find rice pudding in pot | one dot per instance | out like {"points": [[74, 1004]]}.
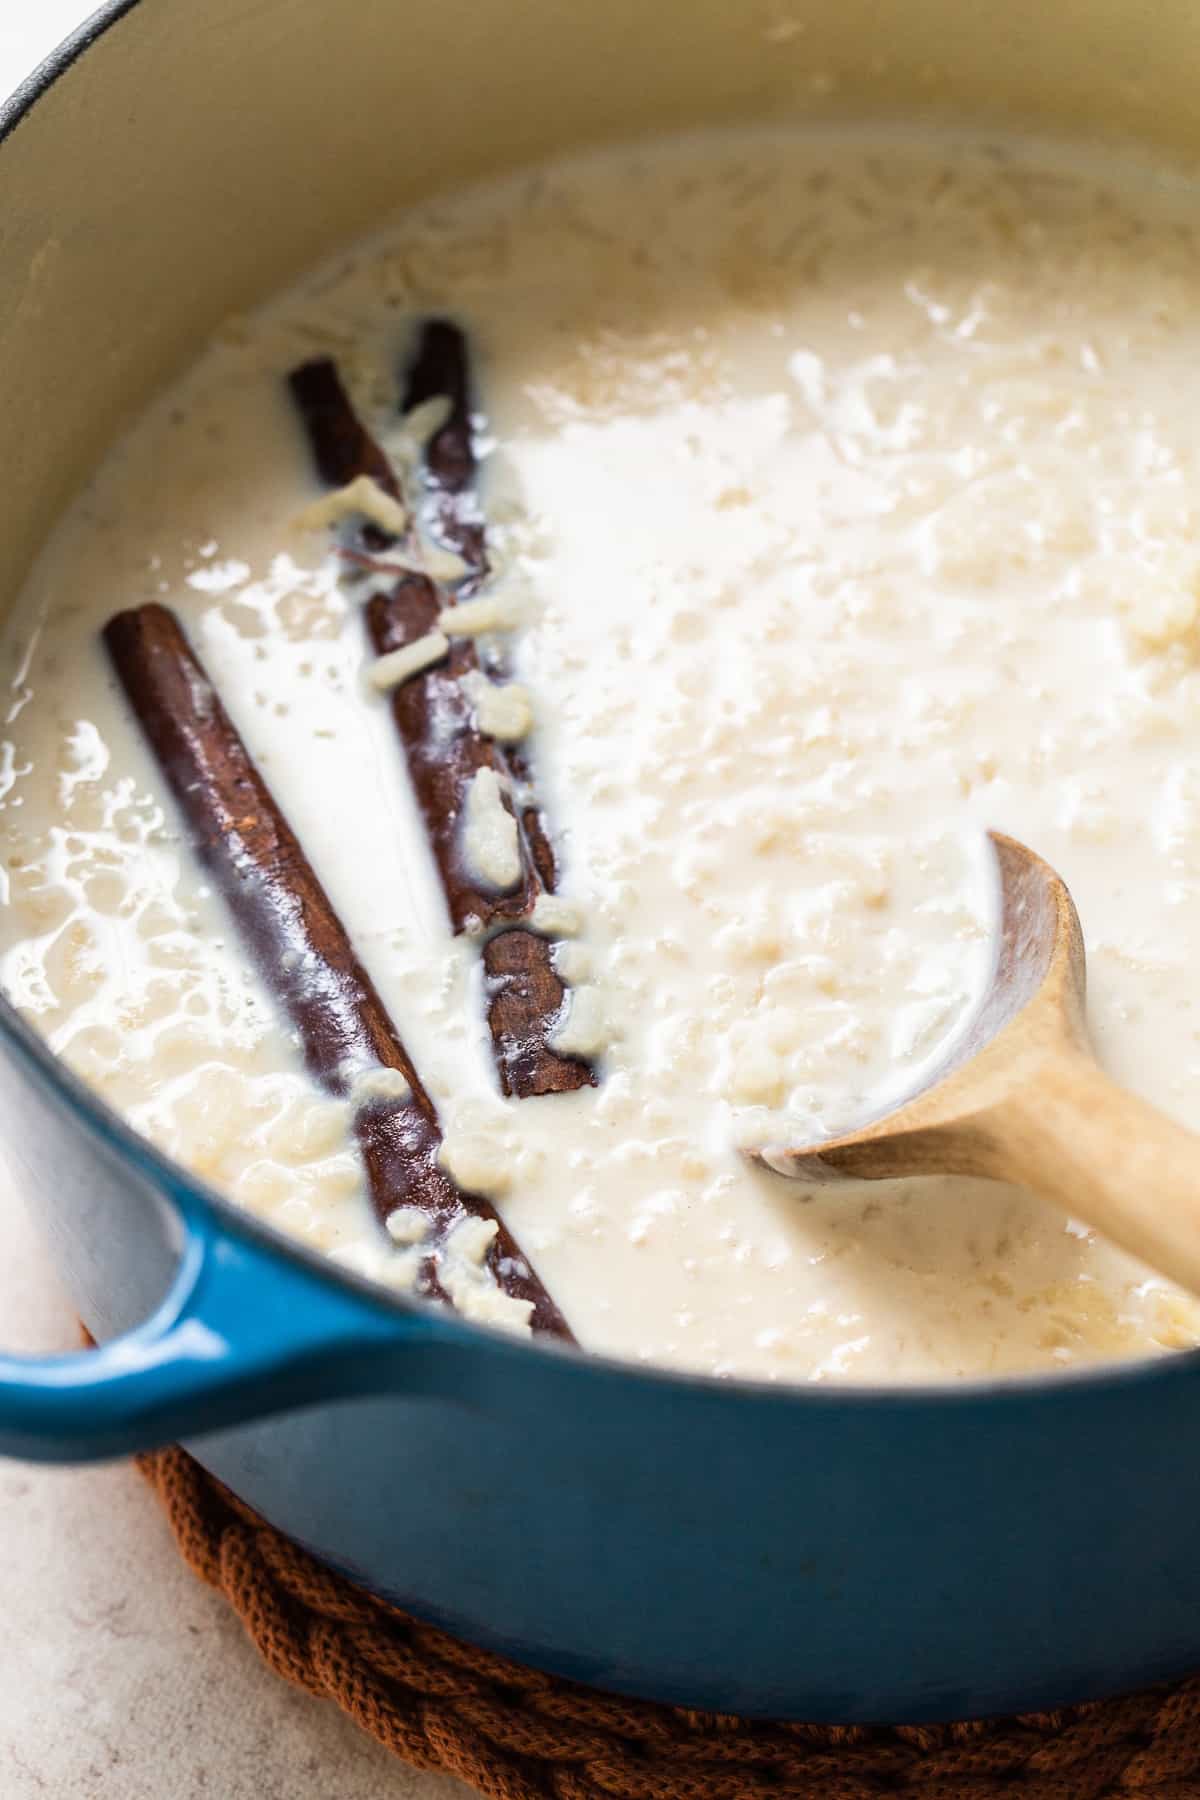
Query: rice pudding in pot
{"points": [[831, 500]]}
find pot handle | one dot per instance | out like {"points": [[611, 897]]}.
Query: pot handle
{"points": [[242, 1334]]}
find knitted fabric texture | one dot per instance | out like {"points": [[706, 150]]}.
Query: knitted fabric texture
{"points": [[515, 1734]]}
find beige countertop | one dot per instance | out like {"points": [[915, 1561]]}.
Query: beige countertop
{"points": [[121, 1677]]}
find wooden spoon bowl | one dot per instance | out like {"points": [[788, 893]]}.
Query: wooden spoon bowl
{"points": [[1020, 1097]]}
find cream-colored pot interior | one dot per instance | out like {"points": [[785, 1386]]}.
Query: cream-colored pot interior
{"points": [[196, 157]]}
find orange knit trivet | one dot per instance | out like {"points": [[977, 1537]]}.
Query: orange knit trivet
{"points": [[518, 1735]]}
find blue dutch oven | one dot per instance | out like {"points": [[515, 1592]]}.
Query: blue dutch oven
{"points": [[844, 1555]]}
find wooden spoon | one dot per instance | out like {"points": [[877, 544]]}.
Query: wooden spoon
{"points": [[1020, 1098]]}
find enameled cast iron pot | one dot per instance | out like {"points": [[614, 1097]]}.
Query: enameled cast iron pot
{"points": [[814, 1553]]}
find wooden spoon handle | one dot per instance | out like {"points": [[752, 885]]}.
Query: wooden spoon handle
{"points": [[1108, 1158]]}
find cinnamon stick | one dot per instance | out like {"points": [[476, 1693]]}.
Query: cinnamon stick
{"points": [[441, 365], [434, 720], [525, 996], [298, 942], [525, 993], [440, 368], [342, 446], [444, 751]]}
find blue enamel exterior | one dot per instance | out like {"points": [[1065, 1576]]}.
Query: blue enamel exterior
{"points": [[805, 1553], [891, 1555]]}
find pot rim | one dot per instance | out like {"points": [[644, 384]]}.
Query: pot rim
{"points": [[25, 1044], [16, 107]]}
